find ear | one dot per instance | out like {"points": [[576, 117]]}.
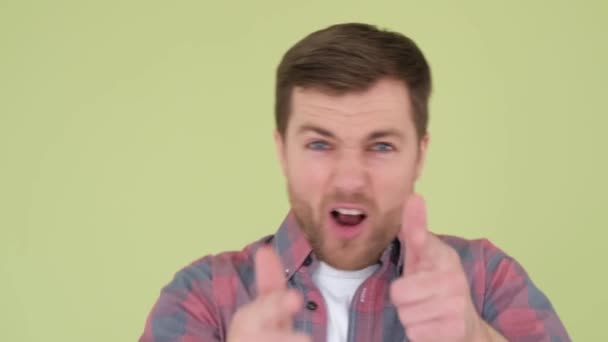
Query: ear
{"points": [[422, 149], [280, 150]]}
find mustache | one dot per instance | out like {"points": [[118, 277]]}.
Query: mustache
{"points": [[357, 197]]}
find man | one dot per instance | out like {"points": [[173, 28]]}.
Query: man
{"points": [[353, 260]]}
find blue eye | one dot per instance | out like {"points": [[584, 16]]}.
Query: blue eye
{"points": [[382, 147], [318, 146]]}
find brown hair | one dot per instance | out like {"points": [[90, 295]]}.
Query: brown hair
{"points": [[351, 57]]}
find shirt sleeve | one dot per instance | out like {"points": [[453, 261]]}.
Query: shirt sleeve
{"points": [[185, 312], [514, 306]]}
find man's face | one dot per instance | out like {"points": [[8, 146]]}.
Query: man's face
{"points": [[350, 162]]}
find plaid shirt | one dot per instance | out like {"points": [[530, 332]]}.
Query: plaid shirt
{"points": [[199, 303]]}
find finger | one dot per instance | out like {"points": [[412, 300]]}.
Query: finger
{"points": [[433, 309], [424, 250], [268, 272], [414, 230], [440, 256], [422, 286], [270, 312], [435, 330]]}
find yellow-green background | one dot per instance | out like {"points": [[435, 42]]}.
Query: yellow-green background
{"points": [[135, 137]]}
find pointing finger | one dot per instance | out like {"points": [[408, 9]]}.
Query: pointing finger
{"points": [[414, 230], [268, 271]]}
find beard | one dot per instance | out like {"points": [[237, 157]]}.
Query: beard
{"points": [[346, 254]]}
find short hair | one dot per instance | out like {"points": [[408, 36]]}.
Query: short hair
{"points": [[352, 57]]}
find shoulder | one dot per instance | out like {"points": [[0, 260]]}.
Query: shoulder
{"points": [[482, 258], [504, 294], [483, 261], [224, 268], [199, 301], [487, 267], [473, 251], [205, 293]]}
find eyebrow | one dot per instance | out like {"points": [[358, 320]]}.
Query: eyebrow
{"points": [[316, 129], [372, 136], [385, 133]]}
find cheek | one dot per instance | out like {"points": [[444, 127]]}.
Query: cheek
{"points": [[392, 184], [308, 176]]}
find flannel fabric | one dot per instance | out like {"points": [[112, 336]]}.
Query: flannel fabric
{"points": [[198, 304]]}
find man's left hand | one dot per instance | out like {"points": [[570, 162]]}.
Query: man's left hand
{"points": [[432, 297]]}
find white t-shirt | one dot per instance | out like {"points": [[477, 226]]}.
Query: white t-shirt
{"points": [[338, 288]]}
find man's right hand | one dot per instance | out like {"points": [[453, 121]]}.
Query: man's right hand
{"points": [[270, 316]]}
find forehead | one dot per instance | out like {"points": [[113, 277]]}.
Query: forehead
{"points": [[385, 104]]}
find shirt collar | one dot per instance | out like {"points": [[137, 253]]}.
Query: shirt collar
{"points": [[293, 248], [291, 245]]}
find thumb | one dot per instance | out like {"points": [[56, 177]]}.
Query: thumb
{"points": [[268, 271], [414, 231]]}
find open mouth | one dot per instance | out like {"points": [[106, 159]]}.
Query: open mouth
{"points": [[348, 217]]}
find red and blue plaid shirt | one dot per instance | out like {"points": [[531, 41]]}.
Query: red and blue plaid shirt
{"points": [[200, 302]]}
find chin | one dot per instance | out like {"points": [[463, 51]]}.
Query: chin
{"points": [[346, 256]]}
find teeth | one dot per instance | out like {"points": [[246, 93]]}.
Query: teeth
{"points": [[344, 211]]}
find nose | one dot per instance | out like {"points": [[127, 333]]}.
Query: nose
{"points": [[350, 175]]}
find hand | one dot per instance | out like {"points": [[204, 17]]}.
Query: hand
{"points": [[432, 297], [269, 316]]}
